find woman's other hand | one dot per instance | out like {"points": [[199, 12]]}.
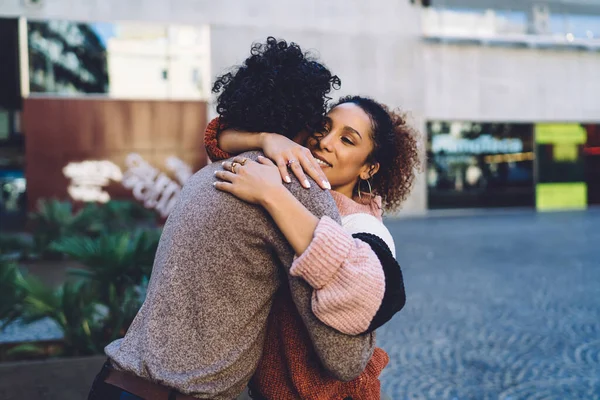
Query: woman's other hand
{"points": [[251, 181], [288, 154]]}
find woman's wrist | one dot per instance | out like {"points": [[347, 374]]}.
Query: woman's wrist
{"points": [[296, 222], [274, 197], [263, 140]]}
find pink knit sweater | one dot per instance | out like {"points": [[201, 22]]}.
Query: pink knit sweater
{"points": [[346, 274]]}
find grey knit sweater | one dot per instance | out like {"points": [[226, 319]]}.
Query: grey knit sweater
{"points": [[218, 265]]}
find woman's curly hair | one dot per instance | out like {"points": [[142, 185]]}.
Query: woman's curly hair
{"points": [[395, 149], [277, 89]]}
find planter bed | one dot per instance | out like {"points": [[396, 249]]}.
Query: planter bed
{"points": [[53, 379]]}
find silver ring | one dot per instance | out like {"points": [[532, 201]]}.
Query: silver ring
{"points": [[290, 162]]}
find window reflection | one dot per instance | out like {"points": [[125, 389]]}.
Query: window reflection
{"points": [[541, 20], [124, 60], [66, 58], [13, 199], [4, 125]]}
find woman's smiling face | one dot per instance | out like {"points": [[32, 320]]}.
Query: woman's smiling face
{"points": [[344, 146]]}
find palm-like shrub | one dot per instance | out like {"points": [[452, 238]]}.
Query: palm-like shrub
{"points": [[122, 215], [11, 293], [73, 308], [53, 221], [121, 259], [118, 268], [115, 216], [99, 301]]}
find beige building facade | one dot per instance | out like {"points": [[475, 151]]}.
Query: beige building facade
{"points": [[430, 62]]}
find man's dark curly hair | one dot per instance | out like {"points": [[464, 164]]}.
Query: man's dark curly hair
{"points": [[277, 89], [395, 149]]}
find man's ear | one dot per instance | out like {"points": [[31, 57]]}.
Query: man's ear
{"points": [[369, 171]]}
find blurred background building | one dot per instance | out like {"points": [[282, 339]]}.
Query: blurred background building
{"points": [[505, 90]]}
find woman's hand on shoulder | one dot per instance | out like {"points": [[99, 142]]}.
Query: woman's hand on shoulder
{"points": [[286, 153], [251, 181]]}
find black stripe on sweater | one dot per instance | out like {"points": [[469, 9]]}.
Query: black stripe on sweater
{"points": [[394, 297]]}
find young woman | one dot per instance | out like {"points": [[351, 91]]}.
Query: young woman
{"points": [[368, 155]]}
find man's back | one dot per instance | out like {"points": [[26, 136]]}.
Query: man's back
{"points": [[217, 267]]}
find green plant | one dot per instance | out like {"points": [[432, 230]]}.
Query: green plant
{"points": [[122, 259], [128, 212], [71, 307], [116, 216], [98, 303], [53, 221], [118, 268], [11, 293]]}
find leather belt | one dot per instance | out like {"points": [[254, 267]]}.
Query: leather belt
{"points": [[143, 388]]}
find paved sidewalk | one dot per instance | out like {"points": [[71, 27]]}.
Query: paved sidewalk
{"points": [[504, 306]]}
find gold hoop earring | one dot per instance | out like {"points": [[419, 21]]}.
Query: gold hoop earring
{"points": [[370, 189]]}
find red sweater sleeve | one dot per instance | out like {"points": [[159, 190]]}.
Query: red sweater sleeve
{"points": [[211, 142]]}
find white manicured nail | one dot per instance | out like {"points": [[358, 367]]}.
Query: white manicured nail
{"points": [[327, 185], [306, 183], [287, 179]]}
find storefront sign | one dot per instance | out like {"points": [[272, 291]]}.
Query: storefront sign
{"points": [[148, 184], [89, 177], [484, 144]]}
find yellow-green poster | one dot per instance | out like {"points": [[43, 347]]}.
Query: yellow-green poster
{"points": [[560, 134], [560, 167], [561, 196]]}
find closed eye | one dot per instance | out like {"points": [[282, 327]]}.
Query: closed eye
{"points": [[322, 133]]}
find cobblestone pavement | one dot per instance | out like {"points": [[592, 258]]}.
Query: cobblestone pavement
{"points": [[499, 307]]}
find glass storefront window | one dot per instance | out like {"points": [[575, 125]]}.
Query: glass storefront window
{"points": [[472, 164], [4, 125], [574, 26], [12, 178], [465, 22], [13, 200], [551, 21], [548, 165], [10, 128]]}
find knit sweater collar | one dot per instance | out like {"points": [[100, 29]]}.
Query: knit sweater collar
{"points": [[368, 204]]}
